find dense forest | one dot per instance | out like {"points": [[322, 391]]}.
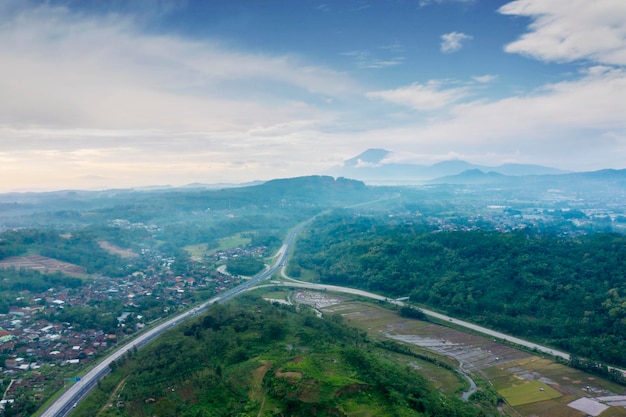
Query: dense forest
{"points": [[245, 265], [252, 358], [569, 292]]}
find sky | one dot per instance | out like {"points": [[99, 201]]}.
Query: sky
{"points": [[98, 94]]}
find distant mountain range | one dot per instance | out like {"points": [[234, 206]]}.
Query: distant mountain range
{"points": [[604, 177], [371, 167]]}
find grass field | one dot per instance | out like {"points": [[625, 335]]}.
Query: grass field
{"points": [[275, 295], [234, 241], [569, 379], [229, 242], [529, 392], [116, 250], [196, 251], [614, 412]]}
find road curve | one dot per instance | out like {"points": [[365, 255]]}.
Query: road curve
{"points": [[461, 323], [64, 404]]}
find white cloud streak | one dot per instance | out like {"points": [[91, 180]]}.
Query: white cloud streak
{"points": [[365, 59], [424, 3], [570, 30], [430, 96], [485, 79]]}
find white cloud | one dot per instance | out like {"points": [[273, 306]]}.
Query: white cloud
{"points": [[84, 97], [94, 101], [594, 102], [453, 41], [424, 3], [430, 96], [365, 60], [571, 124], [59, 69], [569, 30], [485, 79]]}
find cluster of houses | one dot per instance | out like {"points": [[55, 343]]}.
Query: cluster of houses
{"points": [[35, 347], [224, 255]]}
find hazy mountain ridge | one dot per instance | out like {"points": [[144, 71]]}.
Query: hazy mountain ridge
{"points": [[310, 191], [371, 166], [605, 177]]}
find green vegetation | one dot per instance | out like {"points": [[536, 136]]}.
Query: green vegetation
{"points": [[529, 392], [233, 241], [245, 265], [412, 313], [79, 248], [567, 292], [547, 282], [197, 251], [251, 358]]}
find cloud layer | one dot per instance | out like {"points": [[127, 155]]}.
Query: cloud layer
{"points": [[95, 100]]}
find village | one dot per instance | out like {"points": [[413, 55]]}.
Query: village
{"points": [[47, 337]]}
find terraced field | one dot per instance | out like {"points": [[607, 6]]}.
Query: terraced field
{"points": [[43, 264], [531, 385]]}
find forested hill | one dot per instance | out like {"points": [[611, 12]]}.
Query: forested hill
{"points": [[567, 292], [319, 189], [252, 358], [77, 207]]}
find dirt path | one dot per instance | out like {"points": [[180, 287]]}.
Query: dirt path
{"points": [[257, 384], [112, 396]]}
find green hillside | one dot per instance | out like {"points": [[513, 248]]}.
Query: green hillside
{"points": [[252, 358]]}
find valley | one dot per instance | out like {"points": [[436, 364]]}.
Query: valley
{"points": [[78, 289]]}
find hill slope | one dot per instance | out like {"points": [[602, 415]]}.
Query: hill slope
{"points": [[252, 358]]}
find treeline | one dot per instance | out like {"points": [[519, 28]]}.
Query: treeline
{"points": [[263, 229], [245, 265], [79, 247], [568, 292], [249, 357]]}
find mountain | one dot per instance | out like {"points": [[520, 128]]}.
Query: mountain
{"points": [[369, 157], [474, 176], [608, 183], [374, 167], [526, 169], [161, 204]]}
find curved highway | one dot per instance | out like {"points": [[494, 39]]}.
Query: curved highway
{"points": [[461, 323], [64, 404], [68, 399]]}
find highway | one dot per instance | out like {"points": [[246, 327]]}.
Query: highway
{"points": [[75, 393], [480, 329]]}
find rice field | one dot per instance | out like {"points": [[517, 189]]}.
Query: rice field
{"points": [[529, 392], [532, 385]]}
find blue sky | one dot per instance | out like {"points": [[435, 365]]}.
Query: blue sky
{"points": [[101, 94]]}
